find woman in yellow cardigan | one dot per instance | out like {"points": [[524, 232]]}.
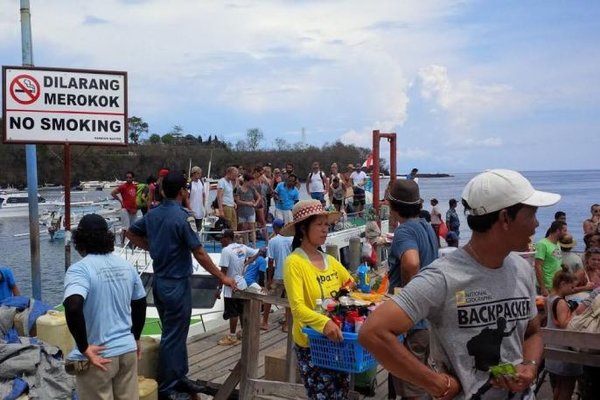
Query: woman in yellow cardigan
{"points": [[311, 274]]}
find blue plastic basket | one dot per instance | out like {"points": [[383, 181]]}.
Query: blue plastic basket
{"points": [[346, 356]]}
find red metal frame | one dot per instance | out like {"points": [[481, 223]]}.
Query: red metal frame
{"points": [[391, 138]]}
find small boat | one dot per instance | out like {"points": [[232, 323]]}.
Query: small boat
{"points": [[55, 222], [16, 204]]}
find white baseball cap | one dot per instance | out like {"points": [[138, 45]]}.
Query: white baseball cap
{"points": [[496, 189]]}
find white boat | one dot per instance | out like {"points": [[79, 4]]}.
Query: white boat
{"points": [[16, 204], [91, 185], [54, 220], [112, 184]]}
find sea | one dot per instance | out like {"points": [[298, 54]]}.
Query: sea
{"points": [[579, 190]]}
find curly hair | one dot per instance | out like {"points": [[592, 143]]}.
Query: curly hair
{"points": [[94, 241]]}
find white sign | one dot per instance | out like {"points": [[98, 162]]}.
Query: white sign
{"points": [[45, 105]]}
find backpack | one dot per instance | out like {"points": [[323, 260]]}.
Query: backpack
{"points": [[141, 195], [321, 175]]}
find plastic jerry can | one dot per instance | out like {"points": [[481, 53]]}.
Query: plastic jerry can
{"points": [[148, 388], [52, 328], [148, 365]]}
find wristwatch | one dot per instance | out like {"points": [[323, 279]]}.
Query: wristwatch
{"points": [[529, 362]]}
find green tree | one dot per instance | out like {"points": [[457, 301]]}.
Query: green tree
{"points": [[254, 137], [200, 139], [154, 138], [136, 126], [168, 138]]}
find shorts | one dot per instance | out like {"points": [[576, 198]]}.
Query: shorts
{"points": [[233, 308], [285, 215], [318, 196], [336, 202], [230, 215], [261, 278], [128, 218], [417, 342], [249, 219], [359, 197]]}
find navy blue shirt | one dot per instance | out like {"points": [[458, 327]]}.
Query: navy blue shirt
{"points": [[171, 239]]}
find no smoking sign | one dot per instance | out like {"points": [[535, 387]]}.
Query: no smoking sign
{"points": [[25, 89]]}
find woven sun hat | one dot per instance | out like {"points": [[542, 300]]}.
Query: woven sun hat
{"points": [[567, 241], [304, 209]]}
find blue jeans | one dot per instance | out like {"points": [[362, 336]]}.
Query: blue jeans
{"points": [[173, 301]]}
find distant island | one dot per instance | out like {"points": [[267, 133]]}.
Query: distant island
{"points": [[434, 176]]}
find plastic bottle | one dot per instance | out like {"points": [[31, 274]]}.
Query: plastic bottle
{"points": [[319, 306], [358, 322], [364, 280]]}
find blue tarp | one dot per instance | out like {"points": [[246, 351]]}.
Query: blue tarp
{"points": [[36, 308]]}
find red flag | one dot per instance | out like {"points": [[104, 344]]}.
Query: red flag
{"points": [[369, 161]]}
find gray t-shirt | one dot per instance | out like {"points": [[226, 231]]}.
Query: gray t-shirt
{"points": [[477, 316]]}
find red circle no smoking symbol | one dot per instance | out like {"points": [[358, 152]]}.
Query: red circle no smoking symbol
{"points": [[24, 89]]}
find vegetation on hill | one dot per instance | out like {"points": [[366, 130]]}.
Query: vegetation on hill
{"points": [[172, 150]]}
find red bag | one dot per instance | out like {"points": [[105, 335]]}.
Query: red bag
{"points": [[443, 230]]}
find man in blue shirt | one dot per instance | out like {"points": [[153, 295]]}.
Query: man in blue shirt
{"points": [[168, 235], [8, 285], [286, 195], [278, 249], [105, 307]]}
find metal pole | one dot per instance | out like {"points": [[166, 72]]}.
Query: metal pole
{"points": [[31, 161], [376, 190], [67, 216]]}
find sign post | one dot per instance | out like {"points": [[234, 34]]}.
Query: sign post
{"points": [[64, 106]]}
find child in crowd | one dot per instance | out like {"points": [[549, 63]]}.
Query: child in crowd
{"points": [[563, 375]]}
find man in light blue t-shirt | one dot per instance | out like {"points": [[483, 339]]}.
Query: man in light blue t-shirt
{"points": [[105, 307]]}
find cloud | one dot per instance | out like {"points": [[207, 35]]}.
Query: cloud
{"points": [[93, 20], [453, 74], [467, 103], [414, 153]]}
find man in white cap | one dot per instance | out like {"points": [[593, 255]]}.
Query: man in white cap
{"points": [[479, 301]]}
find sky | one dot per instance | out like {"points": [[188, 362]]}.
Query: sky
{"points": [[465, 85]]}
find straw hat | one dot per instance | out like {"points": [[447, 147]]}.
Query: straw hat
{"points": [[567, 241], [304, 209]]}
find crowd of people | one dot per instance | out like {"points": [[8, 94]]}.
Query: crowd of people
{"points": [[460, 312], [248, 198]]}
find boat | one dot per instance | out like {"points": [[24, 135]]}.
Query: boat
{"points": [[53, 219], [99, 185], [16, 204]]}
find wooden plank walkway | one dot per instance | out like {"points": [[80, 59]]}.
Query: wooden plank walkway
{"points": [[213, 363]]}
